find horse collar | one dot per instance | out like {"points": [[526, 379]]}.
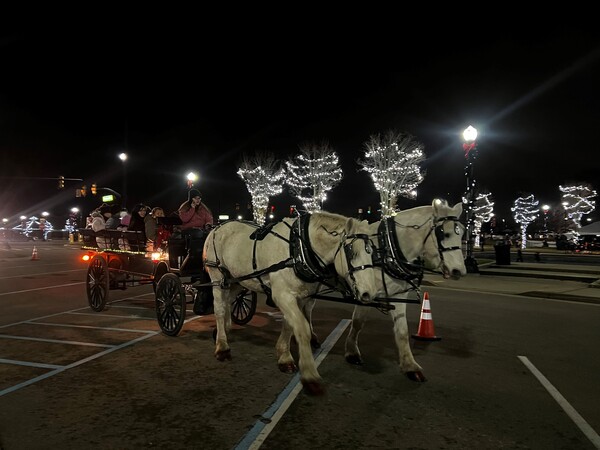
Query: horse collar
{"points": [[392, 259], [307, 264]]}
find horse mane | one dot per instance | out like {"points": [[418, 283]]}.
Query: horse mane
{"points": [[325, 218]]}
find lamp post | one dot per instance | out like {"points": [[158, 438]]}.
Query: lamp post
{"points": [[123, 157], [470, 148], [545, 208]]}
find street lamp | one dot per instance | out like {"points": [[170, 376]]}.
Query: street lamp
{"points": [[123, 157], [470, 148], [545, 208], [191, 179]]}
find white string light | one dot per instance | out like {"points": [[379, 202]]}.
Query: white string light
{"points": [[525, 211], [393, 163], [264, 178], [483, 211], [313, 173], [577, 201]]}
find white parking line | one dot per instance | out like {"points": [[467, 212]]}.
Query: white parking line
{"points": [[39, 274], [563, 403], [58, 286], [259, 432], [54, 341]]}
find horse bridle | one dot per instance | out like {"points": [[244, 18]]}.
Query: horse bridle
{"points": [[437, 227], [349, 255]]}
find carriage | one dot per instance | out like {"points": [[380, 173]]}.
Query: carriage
{"points": [[120, 259]]}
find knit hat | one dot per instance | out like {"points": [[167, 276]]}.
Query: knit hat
{"points": [[193, 193], [105, 209]]}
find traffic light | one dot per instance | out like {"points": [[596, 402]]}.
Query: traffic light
{"points": [[94, 189], [61, 182]]}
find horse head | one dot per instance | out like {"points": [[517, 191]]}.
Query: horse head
{"points": [[444, 244], [346, 243]]}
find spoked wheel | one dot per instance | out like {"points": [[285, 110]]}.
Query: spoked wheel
{"points": [[160, 270], [97, 283], [243, 307], [170, 304]]}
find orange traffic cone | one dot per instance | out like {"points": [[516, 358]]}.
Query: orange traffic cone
{"points": [[34, 255], [426, 331]]}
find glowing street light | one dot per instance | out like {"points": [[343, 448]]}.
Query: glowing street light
{"points": [[123, 157], [191, 179], [545, 208], [470, 148]]}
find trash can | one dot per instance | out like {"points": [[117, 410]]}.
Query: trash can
{"points": [[502, 250]]}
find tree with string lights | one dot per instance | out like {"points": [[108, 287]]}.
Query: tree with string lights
{"points": [[264, 178], [483, 211], [525, 211], [313, 173], [577, 200], [393, 162]]}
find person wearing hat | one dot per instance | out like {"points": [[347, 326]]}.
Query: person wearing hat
{"points": [[193, 213], [195, 216]]}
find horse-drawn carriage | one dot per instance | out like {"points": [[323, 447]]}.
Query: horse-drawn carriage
{"points": [[121, 259]]}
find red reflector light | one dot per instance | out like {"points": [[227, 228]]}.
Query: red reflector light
{"points": [[85, 257]]}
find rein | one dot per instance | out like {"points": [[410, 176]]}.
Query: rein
{"points": [[307, 265]]}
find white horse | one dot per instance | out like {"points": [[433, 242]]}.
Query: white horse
{"points": [[290, 261], [425, 237]]}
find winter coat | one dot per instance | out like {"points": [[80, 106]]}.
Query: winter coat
{"points": [[194, 217]]}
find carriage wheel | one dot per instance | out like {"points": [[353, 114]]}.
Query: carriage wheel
{"points": [[170, 304], [97, 283], [159, 272], [243, 307]]}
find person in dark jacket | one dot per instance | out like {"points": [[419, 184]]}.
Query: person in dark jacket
{"points": [[137, 223]]}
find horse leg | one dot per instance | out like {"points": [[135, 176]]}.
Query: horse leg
{"points": [[222, 306], [407, 362], [359, 318], [307, 309], [285, 360], [311, 380]]}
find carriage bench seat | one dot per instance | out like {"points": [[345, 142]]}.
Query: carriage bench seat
{"points": [[134, 241]]}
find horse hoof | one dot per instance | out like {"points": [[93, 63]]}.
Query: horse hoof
{"points": [[224, 355], [314, 342], [354, 359], [416, 376], [288, 367], [314, 388]]}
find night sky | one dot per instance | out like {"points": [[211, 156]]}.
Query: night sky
{"points": [[197, 101]]}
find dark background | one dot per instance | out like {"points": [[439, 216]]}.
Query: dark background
{"points": [[180, 99]]}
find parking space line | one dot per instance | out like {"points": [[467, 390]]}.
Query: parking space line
{"points": [[57, 286], [29, 364], [75, 364], [563, 403], [111, 315], [90, 327], [54, 341], [259, 432]]}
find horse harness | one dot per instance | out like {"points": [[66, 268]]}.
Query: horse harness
{"points": [[390, 258], [307, 265]]}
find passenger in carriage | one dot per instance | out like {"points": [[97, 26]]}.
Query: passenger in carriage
{"points": [[137, 223], [99, 218], [156, 233]]}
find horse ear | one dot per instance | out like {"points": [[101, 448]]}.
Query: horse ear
{"points": [[458, 209]]}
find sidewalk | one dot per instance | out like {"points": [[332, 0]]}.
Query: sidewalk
{"points": [[578, 283]]}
